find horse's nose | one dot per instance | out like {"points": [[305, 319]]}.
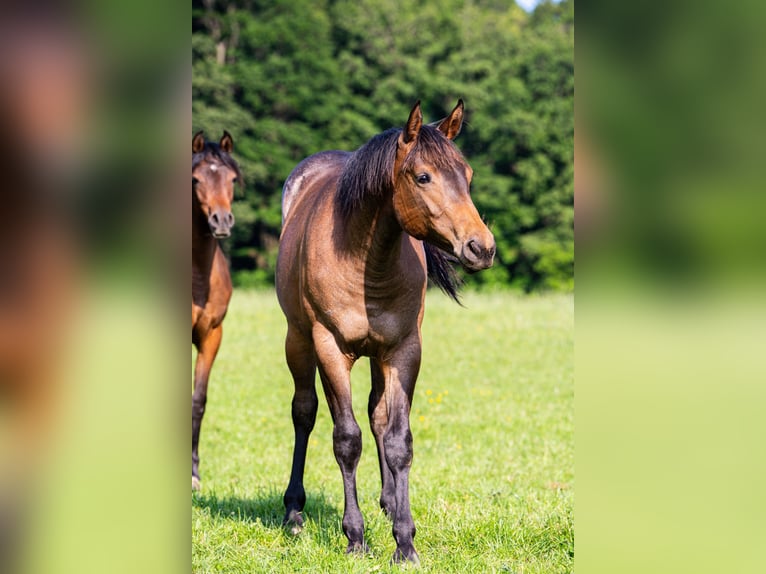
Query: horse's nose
{"points": [[478, 253], [221, 221]]}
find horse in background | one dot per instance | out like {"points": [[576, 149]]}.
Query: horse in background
{"points": [[214, 175], [361, 234]]}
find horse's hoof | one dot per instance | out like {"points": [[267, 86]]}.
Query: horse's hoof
{"points": [[196, 484], [293, 522], [406, 557], [357, 548]]}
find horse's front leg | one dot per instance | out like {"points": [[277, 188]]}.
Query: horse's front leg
{"points": [[335, 370], [207, 349], [378, 413], [400, 372]]}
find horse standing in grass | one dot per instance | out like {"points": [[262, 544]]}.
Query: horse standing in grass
{"points": [[214, 174], [361, 233]]}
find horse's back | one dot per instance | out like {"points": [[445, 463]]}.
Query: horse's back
{"points": [[315, 166]]}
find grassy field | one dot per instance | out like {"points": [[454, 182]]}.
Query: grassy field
{"points": [[492, 482]]}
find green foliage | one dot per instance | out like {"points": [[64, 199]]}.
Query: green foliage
{"points": [[289, 78], [492, 480]]}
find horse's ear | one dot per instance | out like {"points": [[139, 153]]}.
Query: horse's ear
{"points": [[227, 144], [198, 142], [414, 123], [450, 126]]}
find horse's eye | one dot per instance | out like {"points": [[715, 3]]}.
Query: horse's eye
{"points": [[235, 180], [195, 181], [424, 178]]}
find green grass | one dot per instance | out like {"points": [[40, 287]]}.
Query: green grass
{"points": [[492, 480]]}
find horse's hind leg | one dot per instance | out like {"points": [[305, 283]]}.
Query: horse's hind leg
{"points": [[378, 412], [300, 359], [207, 349]]}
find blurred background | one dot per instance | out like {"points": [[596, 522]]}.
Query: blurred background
{"points": [[92, 249], [671, 312]]}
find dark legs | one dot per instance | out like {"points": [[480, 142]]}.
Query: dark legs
{"points": [[398, 445], [334, 370], [393, 383], [378, 413], [300, 360], [207, 349], [347, 446], [399, 375]]}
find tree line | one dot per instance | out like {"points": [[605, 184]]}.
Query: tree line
{"points": [[289, 78]]}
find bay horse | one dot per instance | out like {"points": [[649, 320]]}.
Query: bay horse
{"points": [[214, 174], [361, 234]]}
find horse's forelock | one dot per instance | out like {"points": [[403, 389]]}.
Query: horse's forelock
{"points": [[433, 148], [213, 151]]}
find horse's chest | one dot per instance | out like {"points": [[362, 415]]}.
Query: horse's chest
{"points": [[367, 317], [368, 329], [209, 305], [388, 329]]}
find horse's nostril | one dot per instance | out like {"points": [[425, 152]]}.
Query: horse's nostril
{"points": [[221, 220], [474, 247]]}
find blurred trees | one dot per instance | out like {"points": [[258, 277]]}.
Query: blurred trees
{"points": [[289, 78]]}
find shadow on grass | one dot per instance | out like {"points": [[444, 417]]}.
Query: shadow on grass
{"points": [[267, 508]]}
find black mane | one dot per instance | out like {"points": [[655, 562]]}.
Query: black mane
{"points": [[369, 174]]}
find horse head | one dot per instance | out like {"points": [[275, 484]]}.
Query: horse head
{"points": [[431, 191], [214, 174]]}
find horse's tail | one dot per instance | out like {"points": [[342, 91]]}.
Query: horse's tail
{"points": [[441, 272]]}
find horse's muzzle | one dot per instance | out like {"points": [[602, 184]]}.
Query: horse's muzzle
{"points": [[221, 222], [477, 254]]}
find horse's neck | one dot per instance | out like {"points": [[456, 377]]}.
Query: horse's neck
{"points": [[376, 232], [204, 246]]}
